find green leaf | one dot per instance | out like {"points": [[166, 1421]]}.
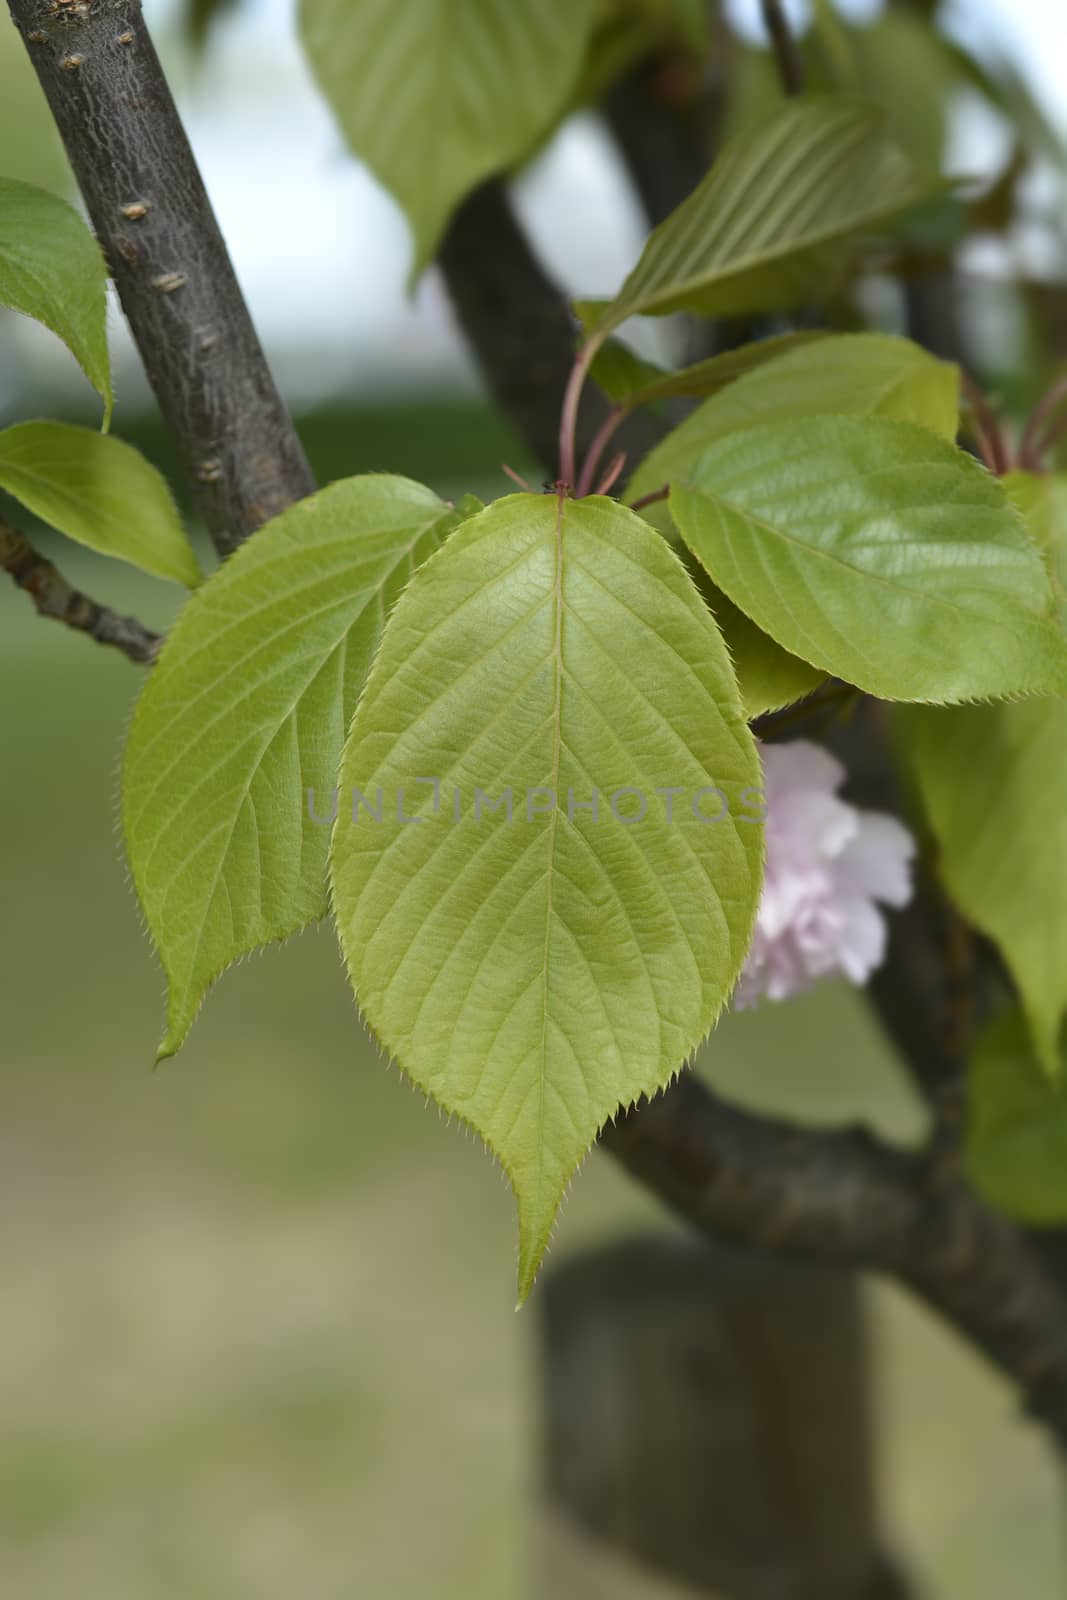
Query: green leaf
{"points": [[51, 269], [900, 48], [627, 379], [622, 373], [765, 228], [533, 975], [246, 711], [993, 785], [1041, 501], [99, 491], [768, 676], [862, 374], [627, 31], [435, 96], [879, 553], [1016, 1147], [868, 374]]}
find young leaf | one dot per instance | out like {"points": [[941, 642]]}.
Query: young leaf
{"points": [[879, 553], [51, 269], [993, 784], [627, 379], [765, 227], [232, 756], [534, 973], [768, 676], [861, 374], [100, 491], [622, 373], [1016, 1148], [1041, 501], [435, 96]]}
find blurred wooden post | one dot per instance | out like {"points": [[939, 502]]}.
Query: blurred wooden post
{"points": [[706, 1431]]}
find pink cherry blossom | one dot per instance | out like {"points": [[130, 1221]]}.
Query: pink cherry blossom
{"points": [[830, 867]]}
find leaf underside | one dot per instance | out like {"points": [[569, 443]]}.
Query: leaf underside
{"points": [[435, 95], [993, 782], [1016, 1144], [765, 227], [534, 975], [52, 269], [100, 491], [245, 712]]}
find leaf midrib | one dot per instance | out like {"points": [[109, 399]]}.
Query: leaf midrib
{"points": [[557, 746]]}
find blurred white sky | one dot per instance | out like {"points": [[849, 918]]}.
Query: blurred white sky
{"points": [[323, 253]]}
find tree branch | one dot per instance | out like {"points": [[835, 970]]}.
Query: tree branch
{"points": [[786, 52], [845, 1198], [54, 597], [520, 327], [665, 137], [147, 201]]}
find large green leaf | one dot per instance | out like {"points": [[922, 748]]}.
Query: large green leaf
{"points": [[100, 491], [435, 95], [534, 974], [993, 782], [51, 269], [245, 712], [1016, 1148], [861, 374], [766, 227], [879, 553]]}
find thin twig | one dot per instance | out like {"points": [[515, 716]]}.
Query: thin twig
{"points": [[1043, 427], [601, 440], [568, 421], [650, 499], [145, 196], [615, 468], [988, 433], [54, 597], [786, 52]]}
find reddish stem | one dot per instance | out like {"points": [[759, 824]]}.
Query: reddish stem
{"points": [[568, 422], [601, 440], [650, 499], [988, 434], [612, 475], [1043, 427]]}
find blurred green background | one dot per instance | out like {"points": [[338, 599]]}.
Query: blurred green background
{"points": [[257, 1336]]}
